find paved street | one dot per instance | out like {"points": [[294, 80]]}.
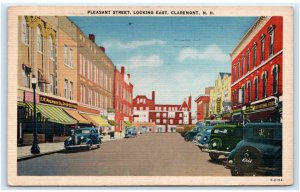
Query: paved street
{"points": [[153, 154]]}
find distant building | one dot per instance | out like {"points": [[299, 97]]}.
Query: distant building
{"points": [[220, 100], [165, 116], [123, 107], [202, 102], [256, 82]]}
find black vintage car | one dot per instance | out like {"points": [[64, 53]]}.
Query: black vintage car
{"points": [[83, 138], [260, 151]]}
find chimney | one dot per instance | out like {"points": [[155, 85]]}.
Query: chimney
{"points": [[153, 95], [122, 70], [92, 37], [102, 49], [190, 102]]}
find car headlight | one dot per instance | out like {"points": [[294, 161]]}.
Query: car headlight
{"points": [[230, 161], [81, 137], [70, 139], [205, 138]]}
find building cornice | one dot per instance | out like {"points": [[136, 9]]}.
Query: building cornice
{"points": [[258, 24]]}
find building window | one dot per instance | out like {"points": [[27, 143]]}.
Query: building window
{"points": [[271, 42], [66, 88], [51, 84], [243, 66], [254, 55], [249, 91], [25, 78], [157, 115], [275, 79], [81, 94], [180, 114], [51, 48], [243, 94], [171, 121], [235, 75], [180, 121], [84, 94], [71, 90], [248, 60], [80, 64], [262, 48], [25, 31], [65, 54], [164, 121], [164, 115], [39, 39], [71, 58], [265, 82], [158, 121], [239, 69], [256, 88]]}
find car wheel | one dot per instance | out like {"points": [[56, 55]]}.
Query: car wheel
{"points": [[98, 145], [187, 137], [214, 156], [247, 160], [215, 144], [235, 172]]}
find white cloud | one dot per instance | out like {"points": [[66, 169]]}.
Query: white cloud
{"points": [[132, 44], [144, 61], [212, 52]]}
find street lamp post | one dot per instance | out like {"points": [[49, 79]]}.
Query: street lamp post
{"points": [[35, 149]]}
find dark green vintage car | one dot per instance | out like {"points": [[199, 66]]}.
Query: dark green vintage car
{"points": [[223, 139]]}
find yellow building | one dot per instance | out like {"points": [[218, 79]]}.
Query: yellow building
{"points": [[220, 96]]}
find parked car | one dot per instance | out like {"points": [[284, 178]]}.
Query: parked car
{"points": [[189, 136], [223, 139], [130, 132], [205, 138], [199, 135], [260, 151], [83, 137]]}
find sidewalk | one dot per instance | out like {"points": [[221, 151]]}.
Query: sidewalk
{"points": [[47, 148]]}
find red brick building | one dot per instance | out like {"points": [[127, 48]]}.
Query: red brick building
{"points": [[165, 116], [202, 107], [122, 99], [256, 70]]}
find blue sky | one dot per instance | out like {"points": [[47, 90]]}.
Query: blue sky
{"points": [[175, 56]]}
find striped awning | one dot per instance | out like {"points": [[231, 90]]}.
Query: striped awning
{"points": [[95, 119], [77, 116], [53, 114]]}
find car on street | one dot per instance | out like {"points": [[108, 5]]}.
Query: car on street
{"points": [[86, 137], [205, 138], [223, 139], [130, 132], [189, 136], [260, 151]]}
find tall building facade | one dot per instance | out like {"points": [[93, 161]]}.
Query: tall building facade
{"points": [[202, 102], [165, 116], [123, 106], [256, 82], [74, 79], [220, 97]]}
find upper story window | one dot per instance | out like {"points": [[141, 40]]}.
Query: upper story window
{"points": [[71, 90], [275, 71], [271, 42], [65, 54], [39, 39], [25, 31], [51, 48], [239, 69], [254, 55], [249, 91], [243, 65], [25, 78], [248, 60], [157, 115], [71, 57], [256, 88], [51, 84], [262, 48], [66, 88], [264, 84]]}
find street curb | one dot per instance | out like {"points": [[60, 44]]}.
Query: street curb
{"points": [[38, 155]]}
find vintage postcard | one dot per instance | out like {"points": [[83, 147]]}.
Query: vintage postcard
{"points": [[145, 96]]}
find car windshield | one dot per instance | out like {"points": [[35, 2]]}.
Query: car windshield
{"points": [[208, 131], [82, 131]]}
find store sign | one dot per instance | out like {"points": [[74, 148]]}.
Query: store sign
{"points": [[52, 101], [218, 105], [262, 105]]}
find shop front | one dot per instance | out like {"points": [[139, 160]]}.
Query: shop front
{"points": [[97, 121]]}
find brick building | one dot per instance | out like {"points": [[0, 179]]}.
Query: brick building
{"points": [[202, 102], [122, 101], [165, 116], [256, 83]]}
